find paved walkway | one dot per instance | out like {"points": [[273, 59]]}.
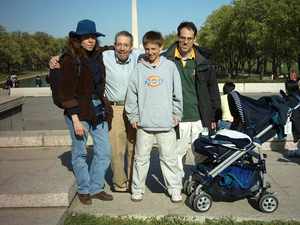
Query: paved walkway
{"points": [[283, 174], [34, 175], [36, 185]]}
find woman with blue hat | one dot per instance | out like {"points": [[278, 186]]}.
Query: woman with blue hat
{"points": [[86, 110]]}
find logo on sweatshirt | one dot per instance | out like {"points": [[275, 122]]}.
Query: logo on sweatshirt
{"points": [[153, 81]]}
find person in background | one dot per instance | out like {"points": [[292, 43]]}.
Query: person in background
{"points": [[8, 83], [293, 75], [227, 118], [15, 81], [292, 89], [38, 81]]}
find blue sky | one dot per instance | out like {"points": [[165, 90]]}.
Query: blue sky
{"points": [[58, 17]]}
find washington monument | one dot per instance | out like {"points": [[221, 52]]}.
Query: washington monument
{"points": [[134, 24]]}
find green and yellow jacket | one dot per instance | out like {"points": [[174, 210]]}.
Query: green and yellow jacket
{"points": [[201, 97]]}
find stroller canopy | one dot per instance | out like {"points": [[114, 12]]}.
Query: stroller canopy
{"points": [[251, 116]]}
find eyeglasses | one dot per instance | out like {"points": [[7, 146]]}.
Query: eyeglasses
{"points": [[189, 39], [119, 45]]}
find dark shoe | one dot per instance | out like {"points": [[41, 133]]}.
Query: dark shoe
{"points": [[103, 196], [85, 199], [293, 153]]}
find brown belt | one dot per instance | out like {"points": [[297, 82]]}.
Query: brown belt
{"points": [[119, 103]]}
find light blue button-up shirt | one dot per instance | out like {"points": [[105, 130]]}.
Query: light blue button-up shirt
{"points": [[117, 74]]}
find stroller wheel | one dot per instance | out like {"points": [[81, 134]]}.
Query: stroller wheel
{"points": [[202, 202], [185, 185], [191, 187], [268, 203], [191, 199]]}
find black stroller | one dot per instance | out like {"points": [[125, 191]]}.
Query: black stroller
{"points": [[234, 168]]}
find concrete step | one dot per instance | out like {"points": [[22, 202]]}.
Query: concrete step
{"points": [[32, 216], [8, 102], [38, 138], [51, 138], [36, 177]]}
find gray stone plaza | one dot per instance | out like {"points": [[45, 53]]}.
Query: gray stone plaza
{"points": [[37, 184]]}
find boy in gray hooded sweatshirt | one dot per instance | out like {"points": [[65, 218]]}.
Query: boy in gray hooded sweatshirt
{"points": [[154, 107]]}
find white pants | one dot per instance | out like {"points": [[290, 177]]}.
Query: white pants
{"points": [[189, 132], [168, 160]]}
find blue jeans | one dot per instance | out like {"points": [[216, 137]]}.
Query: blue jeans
{"points": [[90, 181], [224, 124]]}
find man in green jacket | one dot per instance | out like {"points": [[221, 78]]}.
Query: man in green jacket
{"points": [[201, 97]]}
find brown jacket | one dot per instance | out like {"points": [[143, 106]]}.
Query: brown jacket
{"points": [[76, 90]]}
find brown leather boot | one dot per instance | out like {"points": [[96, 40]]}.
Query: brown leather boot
{"points": [[85, 199], [103, 196]]}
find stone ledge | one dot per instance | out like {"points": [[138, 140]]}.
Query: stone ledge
{"points": [[39, 138], [8, 103], [241, 87], [33, 91], [48, 138], [22, 140]]}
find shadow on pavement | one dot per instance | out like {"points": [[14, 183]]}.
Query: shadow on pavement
{"points": [[66, 162], [155, 179], [65, 159], [280, 148]]}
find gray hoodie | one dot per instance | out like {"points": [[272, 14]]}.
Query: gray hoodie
{"points": [[154, 96]]}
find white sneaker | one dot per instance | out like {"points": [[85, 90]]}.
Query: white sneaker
{"points": [[137, 197], [176, 196]]}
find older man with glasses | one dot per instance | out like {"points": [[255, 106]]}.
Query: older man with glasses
{"points": [[119, 64]]}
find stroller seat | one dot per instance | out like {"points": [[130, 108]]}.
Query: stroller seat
{"points": [[228, 137], [224, 137], [216, 145]]}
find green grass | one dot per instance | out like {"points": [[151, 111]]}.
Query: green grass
{"points": [[84, 219]]}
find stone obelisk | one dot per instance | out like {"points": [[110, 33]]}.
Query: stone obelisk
{"points": [[134, 24]]}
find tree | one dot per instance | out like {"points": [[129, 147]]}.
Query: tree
{"points": [[248, 34], [23, 51], [216, 35], [169, 40], [10, 52]]}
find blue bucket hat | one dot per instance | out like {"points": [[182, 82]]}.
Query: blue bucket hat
{"points": [[85, 27]]}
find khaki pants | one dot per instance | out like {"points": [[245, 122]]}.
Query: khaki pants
{"points": [[122, 139], [189, 132], [168, 160]]}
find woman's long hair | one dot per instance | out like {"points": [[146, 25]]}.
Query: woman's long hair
{"points": [[74, 46]]}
